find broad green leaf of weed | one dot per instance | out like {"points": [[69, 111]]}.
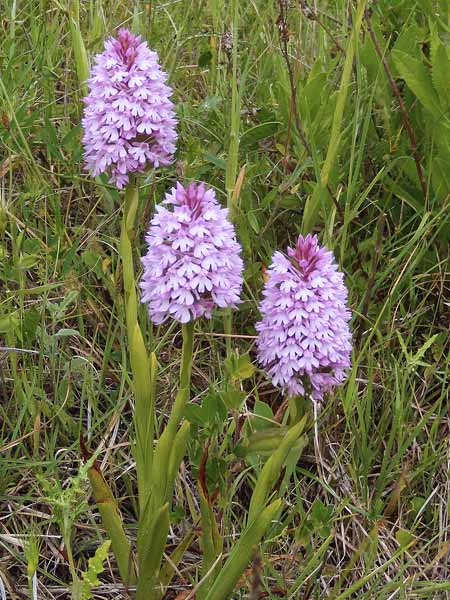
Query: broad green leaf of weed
{"points": [[418, 79]]}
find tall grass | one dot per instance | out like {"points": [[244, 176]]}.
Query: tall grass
{"points": [[327, 148]]}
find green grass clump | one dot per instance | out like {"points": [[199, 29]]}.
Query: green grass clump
{"points": [[329, 115]]}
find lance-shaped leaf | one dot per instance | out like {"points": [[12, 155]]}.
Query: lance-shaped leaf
{"points": [[271, 470], [242, 554], [168, 569], [212, 545], [163, 479], [151, 549], [176, 456], [164, 448], [261, 443], [111, 521], [144, 384]]}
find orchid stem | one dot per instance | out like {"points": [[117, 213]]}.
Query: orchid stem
{"points": [[295, 409], [186, 354], [126, 254]]}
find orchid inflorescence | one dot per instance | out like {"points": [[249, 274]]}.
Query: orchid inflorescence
{"points": [[129, 120], [304, 337], [193, 261]]}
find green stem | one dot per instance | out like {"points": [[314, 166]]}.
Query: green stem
{"points": [[185, 379], [227, 328], [126, 254], [295, 406], [186, 354]]}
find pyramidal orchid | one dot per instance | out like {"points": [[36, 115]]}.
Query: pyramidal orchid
{"points": [[129, 120], [304, 339], [193, 261]]}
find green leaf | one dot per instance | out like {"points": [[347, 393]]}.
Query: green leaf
{"points": [[316, 87], [65, 332], [245, 367], [170, 567], [142, 379], [151, 543], [79, 49], [421, 352], [404, 537], [320, 513], [271, 470], [92, 260], [269, 198], [441, 74], [29, 325], [259, 132], [211, 103], [194, 414], [50, 136], [409, 40], [212, 544], [8, 323], [220, 163], [242, 553], [71, 139], [176, 456], [233, 398], [440, 176], [264, 417], [27, 261], [239, 367], [253, 221], [90, 577], [204, 59], [214, 410], [418, 79], [113, 524], [262, 443], [304, 532]]}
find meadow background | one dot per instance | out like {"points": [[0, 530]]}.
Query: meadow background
{"points": [[331, 115]]}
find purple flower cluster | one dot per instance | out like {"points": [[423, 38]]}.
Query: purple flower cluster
{"points": [[193, 260], [304, 339], [129, 119]]}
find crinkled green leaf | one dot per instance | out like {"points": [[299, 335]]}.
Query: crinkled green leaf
{"points": [[95, 568]]}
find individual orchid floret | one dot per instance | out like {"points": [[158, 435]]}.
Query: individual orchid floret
{"points": [[304, 339], [193, 261], [129, 120]]}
